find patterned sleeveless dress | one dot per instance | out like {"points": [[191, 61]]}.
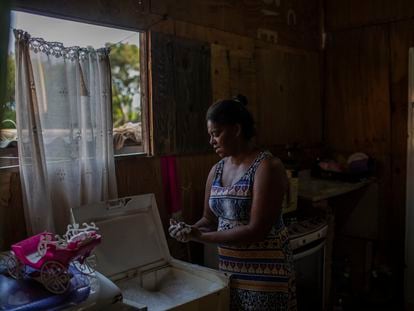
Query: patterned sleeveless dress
{"points": [[262, 274]]}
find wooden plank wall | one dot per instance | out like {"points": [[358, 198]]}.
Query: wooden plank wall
{"points": [[288, 22], [282, 84], [343, 14], [181, 93], [285, 115], [366, 99], [275, 62], [12, 223]]}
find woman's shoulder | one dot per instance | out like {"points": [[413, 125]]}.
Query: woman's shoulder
{"points": [[271, 159], [272, 165]]}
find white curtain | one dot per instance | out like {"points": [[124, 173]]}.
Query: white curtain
{"points": [[64, 120], [409, 225]]}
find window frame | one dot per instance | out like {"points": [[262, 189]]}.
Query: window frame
{"points": [[143, 63]]}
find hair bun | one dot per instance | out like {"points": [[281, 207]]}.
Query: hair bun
{"points": [[241, 99]]}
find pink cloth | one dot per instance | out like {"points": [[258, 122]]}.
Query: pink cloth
{"points": [[170, 182]]}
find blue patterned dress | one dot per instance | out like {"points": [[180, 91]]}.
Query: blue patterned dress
{"points": [[262, 274]]}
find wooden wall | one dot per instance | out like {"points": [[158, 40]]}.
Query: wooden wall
{"points": [[12, 223], [289, 22], [366, 99], [273, 58]]}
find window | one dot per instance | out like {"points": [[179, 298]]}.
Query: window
{"points": [[126, 78]]}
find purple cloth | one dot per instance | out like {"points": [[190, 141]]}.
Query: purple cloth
{"points": [[28, 294]]}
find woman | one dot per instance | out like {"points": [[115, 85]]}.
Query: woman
{"points": [[242, 213]]}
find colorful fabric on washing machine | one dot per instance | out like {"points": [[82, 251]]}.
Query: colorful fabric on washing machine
{"points": [[262, 274]]}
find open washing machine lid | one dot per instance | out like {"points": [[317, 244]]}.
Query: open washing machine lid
{"points": [[133, 238]]}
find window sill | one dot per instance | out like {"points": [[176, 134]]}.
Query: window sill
{"points": [[130, 151], [120, 157], [9, 169], [9, 159]]}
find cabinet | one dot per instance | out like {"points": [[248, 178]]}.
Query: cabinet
{"points": [[351, 211]]}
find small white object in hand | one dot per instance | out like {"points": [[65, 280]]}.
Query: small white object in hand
{"points": [[179, 230]]}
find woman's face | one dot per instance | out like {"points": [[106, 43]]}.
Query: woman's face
{"points": [[223, 138]]}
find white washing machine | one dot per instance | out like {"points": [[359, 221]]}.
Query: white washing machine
{"points": [[134, 254]]}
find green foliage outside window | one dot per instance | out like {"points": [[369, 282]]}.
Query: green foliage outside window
{"points": [[124, 60], [9, 106]]}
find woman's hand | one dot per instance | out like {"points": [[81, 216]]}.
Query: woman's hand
{"points": [[183, 232], [179, 231]]}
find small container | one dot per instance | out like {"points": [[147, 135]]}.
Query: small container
{"points": [[290, 202]]}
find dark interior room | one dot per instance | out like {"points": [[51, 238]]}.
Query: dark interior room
{"points": [[129, 128]]}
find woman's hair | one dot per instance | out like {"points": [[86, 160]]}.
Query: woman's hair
{"points": [[233, 111]]}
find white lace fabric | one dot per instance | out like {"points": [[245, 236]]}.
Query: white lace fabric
{"points": [[64, 122]]}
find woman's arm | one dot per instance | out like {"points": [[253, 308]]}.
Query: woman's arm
{"points": [[208, 222], [180, 231], [269, 187]]}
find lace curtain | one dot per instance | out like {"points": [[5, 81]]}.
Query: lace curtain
{"points": [[64, 121], [409, 229]]}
